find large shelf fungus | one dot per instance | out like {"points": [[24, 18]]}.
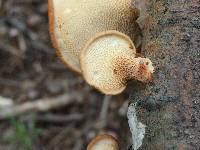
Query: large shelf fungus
{"points": [[108, 61], [94, 38], [73, 22]]}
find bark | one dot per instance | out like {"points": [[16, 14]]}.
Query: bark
{"points": [[170, 105]]}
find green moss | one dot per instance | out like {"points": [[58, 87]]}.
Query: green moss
{"points": [[24, 135]]}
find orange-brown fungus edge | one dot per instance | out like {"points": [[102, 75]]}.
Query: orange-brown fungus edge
{"points": [[53, 38], [99, 138], [143, 70]]}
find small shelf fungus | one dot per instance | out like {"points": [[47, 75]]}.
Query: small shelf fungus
{"points": [[94, 38], [72, 23], [108, 62], [103, 142]]}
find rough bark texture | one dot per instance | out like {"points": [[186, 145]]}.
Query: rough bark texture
{"points": [[170, 105]]}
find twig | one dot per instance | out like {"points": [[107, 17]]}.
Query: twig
{"points": [[21, 27], [65, 131], [8, 82], [5, 102], [105, 107], [39, 105], [56, 118], [10, 49], [33, 37], [36, 44]]}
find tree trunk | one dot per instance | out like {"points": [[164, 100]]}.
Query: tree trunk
{"points": [[170, 105]]}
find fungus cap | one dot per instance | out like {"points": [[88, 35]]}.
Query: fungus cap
{"points": [[97, 60], [57, 37], [73, 22], [103, 142]]}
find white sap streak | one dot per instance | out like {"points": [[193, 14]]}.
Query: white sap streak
{"points": [[137, 128]]}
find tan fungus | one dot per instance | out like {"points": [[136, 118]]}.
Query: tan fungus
{"points": [[108, 62], [103, 142], [73, 22]]}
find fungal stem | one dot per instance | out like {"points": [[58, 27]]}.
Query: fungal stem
{"points": [[133, 68]]}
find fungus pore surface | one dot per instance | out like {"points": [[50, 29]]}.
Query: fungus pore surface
{"points": [[74, 22], [98, 61]]}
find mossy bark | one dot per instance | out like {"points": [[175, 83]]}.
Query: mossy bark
{"points": [[170, 105]]}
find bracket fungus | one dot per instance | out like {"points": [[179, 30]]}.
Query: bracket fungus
{"points": [[72, 23], [94, 38], [103, 142], [108, 61]]}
